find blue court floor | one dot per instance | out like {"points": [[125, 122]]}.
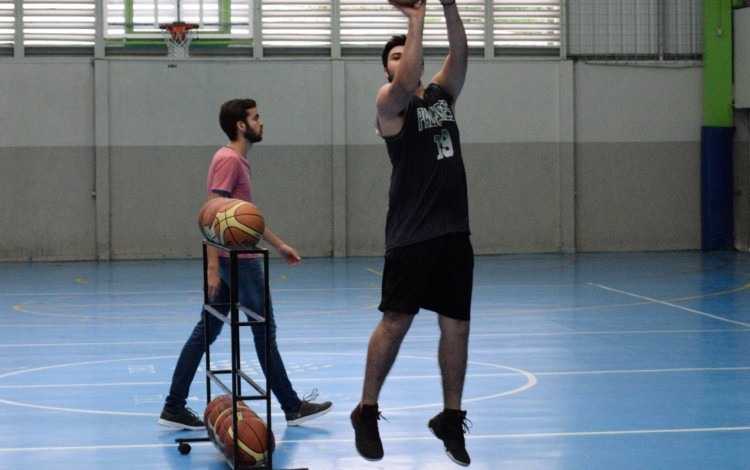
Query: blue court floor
{"points": [[586, 361]]}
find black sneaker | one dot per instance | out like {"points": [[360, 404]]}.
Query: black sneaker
{"points": [[366, 435], [450, 426], [308, 410], [183, 419]]}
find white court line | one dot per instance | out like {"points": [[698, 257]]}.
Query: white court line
{"points": [[545, 435], [646, 371], [84, 385], [100, 294], [106, 344], [74, 410], [530, 382], [669, 304], [627, 432], [401, 377], [96, 448], [292, 340]]}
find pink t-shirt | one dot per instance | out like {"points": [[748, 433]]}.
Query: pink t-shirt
{"points": [[229, 175]]}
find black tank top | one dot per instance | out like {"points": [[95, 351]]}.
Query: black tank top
{"points": [[428, 193]]}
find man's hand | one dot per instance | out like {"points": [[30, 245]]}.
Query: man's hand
{"points": [[289, 254], [213, 281]]}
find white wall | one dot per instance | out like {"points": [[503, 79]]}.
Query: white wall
{"points": [[638, 165], [560, 156], [47, 160]]}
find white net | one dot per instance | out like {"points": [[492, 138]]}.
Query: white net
{"points": [[178, 38]]}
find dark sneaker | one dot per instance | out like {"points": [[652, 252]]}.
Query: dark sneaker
{"points": [[183, 419], [450, 426], [308, 410], [366, 436]]}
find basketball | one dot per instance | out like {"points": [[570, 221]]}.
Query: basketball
{"points": [[220, 428], [223, 422], [218, 402], [214, 408], [207, 215], [252, 440], [405, 3], [233, 223]]}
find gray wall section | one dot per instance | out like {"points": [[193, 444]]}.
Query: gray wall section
{"points": [[560, 156], [47, 160], [638, 196], [47, 203]]}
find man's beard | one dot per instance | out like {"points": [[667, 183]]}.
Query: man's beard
{"points": [[253, 136]]}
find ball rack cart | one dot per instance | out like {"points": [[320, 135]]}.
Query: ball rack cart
{"points": [[236, 375]]}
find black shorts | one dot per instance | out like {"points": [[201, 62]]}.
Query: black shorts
{"points": [[435, 274]]}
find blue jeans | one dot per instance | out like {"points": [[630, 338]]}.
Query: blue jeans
{"points": [[250, 291]]}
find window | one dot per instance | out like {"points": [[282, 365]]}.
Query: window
{"points": [[311, 25], [526, 24], [373, 22], [296, 23], [58, 23], [7, 27], [363, 23], [634, 29], [139, 19], [682, 29], [596, 29]]}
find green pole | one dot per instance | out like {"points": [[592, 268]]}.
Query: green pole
{"points": [[129, 14], [225, 15], [717, 63]]}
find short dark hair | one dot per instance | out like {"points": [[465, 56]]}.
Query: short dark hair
{"points": [[233, 111], [398, 40]]}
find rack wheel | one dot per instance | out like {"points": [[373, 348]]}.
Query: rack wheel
{"points": [[184, 448]]}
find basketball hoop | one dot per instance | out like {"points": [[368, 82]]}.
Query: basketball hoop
{"points": [[178, 36]]}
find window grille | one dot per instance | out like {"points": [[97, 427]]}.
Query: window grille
{"points": [[138, 19], [7, 26], [642, 30], [58, 22], [529, 24], [296, 23], [373, 22], [595, 29]]}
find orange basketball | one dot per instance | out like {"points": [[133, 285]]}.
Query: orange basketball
{"points": [[218, 402], [252, 441], [233, 223], [213, 410], [405, 3], [223, 423], [209, 209], [207, 215]]}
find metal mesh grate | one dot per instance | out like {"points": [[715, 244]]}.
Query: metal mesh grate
{"points": [[634, 30]]}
